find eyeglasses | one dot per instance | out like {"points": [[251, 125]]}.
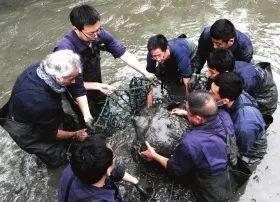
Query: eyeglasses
{"points": [[91, 34]]}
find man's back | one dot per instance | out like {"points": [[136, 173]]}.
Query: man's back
{"points": [[205, 147], [203, 154]]}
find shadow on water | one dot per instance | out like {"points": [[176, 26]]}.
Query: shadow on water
{"points": [[29, 30]]}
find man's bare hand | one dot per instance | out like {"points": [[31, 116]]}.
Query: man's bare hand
{"points": [[80, 135], [149, 153], [179, 112]]}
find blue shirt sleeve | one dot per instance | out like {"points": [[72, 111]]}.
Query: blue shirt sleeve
{"points": [[203, 49], [246, 47], [184, 65], [77, 89], [112, 45], [180, 163], [247, 53]]}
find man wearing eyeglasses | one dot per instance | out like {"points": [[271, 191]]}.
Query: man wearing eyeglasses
{"points": [[88, 38]]}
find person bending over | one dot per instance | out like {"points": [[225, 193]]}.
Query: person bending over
{"points": [[201, 156], [34, 117]]}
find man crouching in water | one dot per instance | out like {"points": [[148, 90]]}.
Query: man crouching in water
{"points": [[202, 152], [92, 173], [34, 117]]}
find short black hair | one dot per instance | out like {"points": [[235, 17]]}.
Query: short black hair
{"points": [[231, 85], [157, 41], [203, 104], [221, 59], [83, 15], [222, 29], [91, 159]]}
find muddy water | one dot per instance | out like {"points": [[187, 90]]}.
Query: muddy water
{"points": [[29, 29]]}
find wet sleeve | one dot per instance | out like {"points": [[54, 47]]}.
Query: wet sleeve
{"points": [[202, 53], [247, 52], [151, 64], [118, 173], [184, 66], [180, 163], [77, 89], [112, 45]]}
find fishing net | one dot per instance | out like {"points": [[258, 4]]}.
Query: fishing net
{"points": [[121, 106]]}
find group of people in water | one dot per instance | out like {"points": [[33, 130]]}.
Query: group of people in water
{"points": [[229, 114]]}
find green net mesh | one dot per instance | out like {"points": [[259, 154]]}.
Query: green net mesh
{"points": [[121, 106]]}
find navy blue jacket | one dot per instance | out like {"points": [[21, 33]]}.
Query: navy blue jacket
{"points": [[82, 192], [105, 42], [179, 62], [248, 122], [242, 48], [203, 149], [34, 102], [258, 82], [253, 77]]}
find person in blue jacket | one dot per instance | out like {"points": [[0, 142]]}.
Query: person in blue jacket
{"points": [[34, 117], [257, 79], [170, 60], [88, 38], [222, 34], [227, 89], [202, 152], [91, 174]]}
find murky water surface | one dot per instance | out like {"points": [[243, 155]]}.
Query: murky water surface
{"points": [[29, 30]]}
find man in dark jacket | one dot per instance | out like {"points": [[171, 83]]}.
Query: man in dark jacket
{"points": [[202, 152], [171, 62], [227, 89], [257, 79], [87, 39], [34, 117], [221, 34], [92, 173]]}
